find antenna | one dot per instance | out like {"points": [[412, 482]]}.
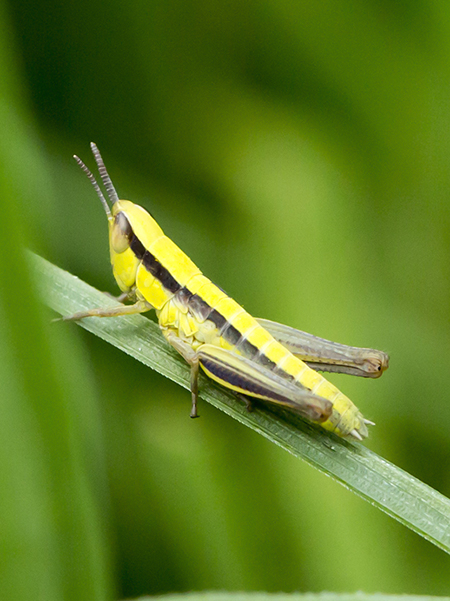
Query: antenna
{"points": [[94, 183], [112, 194]]}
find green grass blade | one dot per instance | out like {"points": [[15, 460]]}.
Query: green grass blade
{"points": [[246, 596], [389, 488]]}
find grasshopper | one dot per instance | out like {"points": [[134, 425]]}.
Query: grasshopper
{"points": [[257, 358]]}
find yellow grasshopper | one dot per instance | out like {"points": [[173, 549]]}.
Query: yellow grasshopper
{"points": [[255, 357]]}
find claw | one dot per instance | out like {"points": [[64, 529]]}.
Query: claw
{"points": [[368, 422]]}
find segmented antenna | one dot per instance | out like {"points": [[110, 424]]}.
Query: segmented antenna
{"points": [[94, 183], [112, 194]]}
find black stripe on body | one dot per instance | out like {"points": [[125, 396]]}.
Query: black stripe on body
{"points": [[153, 266], [199, 306], [262, 359], [231, 334], [137, 247], [236, 338]]}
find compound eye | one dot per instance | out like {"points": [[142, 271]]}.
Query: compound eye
{"points": [[121, 233]]}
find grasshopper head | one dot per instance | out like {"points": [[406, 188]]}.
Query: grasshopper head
{"points": [[129, 225]]}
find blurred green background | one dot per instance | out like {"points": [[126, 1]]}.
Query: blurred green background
{"points": [[299, 152]]}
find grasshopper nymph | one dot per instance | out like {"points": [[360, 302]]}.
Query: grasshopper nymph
{"points": [[255, 357]]}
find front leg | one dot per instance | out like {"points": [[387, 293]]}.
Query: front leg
{"points": [[139, 307], [191, 357], [125, 296]]}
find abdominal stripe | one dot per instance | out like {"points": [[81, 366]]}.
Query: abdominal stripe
{"points": [[231, 334]]}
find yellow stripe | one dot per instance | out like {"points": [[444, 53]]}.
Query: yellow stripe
{"points": [[196, 282], [243, 322], [227, 307], [177, 263], [208, 291]]}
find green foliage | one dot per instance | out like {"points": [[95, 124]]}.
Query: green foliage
{"points": [[299, 153], [212, 596], [413, 503]]}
